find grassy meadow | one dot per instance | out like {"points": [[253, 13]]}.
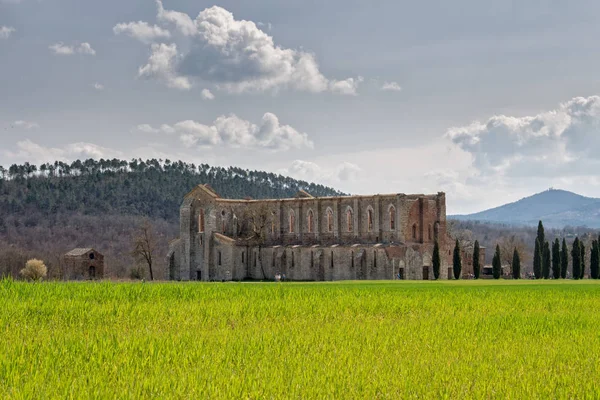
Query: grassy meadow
{"points": [[485, 339]]}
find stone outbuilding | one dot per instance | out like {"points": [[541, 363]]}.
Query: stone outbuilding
{"points": [[83, 264]]}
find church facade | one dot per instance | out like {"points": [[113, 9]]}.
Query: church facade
{"points": [[309, 239]]}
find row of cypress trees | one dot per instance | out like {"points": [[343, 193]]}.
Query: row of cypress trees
{"points": [[555, 264], [548, 262]]}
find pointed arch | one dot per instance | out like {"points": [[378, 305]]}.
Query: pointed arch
{"points": [[414, 231], [349, 219], [291, 221], [392, 213], [201, 221], [310, 221], [329, 219], [369, 219]]}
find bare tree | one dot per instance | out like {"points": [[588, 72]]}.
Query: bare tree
{"points": [[464, 236], [508, 244], [256, 221], [144, 245]]}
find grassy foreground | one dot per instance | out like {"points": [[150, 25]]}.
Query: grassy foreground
{"points": [[330, 340]]}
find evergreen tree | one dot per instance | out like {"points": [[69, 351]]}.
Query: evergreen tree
{"points": [[546, 261], [582, 260], [435, 260], [564, 260], [516, 265], [541, 236], [537, 260], [497, 264], [456, 261], [556, 259], [476, 266], [576, 255], [594, 261]]}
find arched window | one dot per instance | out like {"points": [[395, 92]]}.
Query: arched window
{"points": [[292, 221], [310, 221], [201, 221], [370, 220], [329, 220], [349, 220], [273, 224], [223, 221], [430, 232], [235, 224], [414, 231], [392, 218]]}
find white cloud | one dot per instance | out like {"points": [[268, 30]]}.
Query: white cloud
{"points": [[6, 31], [233, 131], [98, 86], [64, 50], [28, 150], [161, 66], [553, 143], [234, 55], [26, 124], [207, 94], [146, 128], [347, 86], [391, 86], [312, 172], [142, 31]]}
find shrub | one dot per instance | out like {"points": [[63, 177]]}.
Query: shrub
{"points": [[35, 270]]}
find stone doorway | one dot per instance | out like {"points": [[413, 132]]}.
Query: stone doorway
{"points": [[198, 275], [450, 273], [425, 273], [401, 274], [92, 272]]}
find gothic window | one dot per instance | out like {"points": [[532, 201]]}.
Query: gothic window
{"points": [[223, 221], [392, 218], [310, 221], [329, 220], [349, 220], [273, 224], [414, 231], [370, 220], [235, 225], [292, 221], [201, 221], [430, 233]]}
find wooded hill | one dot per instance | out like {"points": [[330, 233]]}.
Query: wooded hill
{"points": [[49, 209]]}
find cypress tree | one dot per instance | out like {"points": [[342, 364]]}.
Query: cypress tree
{"points": [[435, 260], [582, 260], [556, 259], [594, 261], [476, 266], [456, 261], [564, 260], [576, 255], [546, 261], [516, 265], [497, 264], [537, 260], [541, 236]]}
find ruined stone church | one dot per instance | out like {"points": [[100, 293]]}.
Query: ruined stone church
{"points": [[309, 239]]}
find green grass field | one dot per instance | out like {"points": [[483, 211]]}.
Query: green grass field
{"points": [[455, 340]]}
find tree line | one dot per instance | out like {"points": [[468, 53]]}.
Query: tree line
{"points": [[550, 259]]}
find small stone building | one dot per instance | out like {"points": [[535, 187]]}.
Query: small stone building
{"points": [[83, 264]]}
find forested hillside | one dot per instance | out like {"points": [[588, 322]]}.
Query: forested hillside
{"points": [[49, 209]]}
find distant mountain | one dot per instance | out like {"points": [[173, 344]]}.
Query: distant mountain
{"points": [[557, 208]]}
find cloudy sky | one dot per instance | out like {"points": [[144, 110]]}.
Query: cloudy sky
{"points": [[488, 101]]}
